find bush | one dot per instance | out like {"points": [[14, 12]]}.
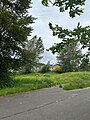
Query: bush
{"points": [[45, 68], [57, 68]]}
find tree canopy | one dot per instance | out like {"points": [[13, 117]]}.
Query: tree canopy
{"points": [[74, 7], [79, 34]]}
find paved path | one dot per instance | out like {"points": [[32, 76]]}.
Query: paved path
{"points": [[46, 104]]}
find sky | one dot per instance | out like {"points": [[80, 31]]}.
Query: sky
{"points": [[51, 14]]}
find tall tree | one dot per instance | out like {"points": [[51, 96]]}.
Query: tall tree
{"points": [[14, 30], [69, 57], [33, 54]]}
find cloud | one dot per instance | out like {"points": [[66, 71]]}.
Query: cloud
{"points": [[48, 56]]}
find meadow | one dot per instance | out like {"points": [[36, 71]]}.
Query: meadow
{"points": [[34, 81]]}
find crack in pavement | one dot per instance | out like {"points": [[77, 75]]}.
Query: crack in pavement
{"points": [[39, 106], [29, 110]]}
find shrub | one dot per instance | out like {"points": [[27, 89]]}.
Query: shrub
{"points": [[57, 68], [45, 68], [5, 81]]}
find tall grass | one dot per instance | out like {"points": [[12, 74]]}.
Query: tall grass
{"points": [[28, 82]]}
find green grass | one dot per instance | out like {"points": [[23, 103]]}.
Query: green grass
{"points": [[34, 81]]}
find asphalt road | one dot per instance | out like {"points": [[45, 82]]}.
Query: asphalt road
{"points": [[46, 104]]}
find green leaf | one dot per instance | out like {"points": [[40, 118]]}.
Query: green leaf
{"points": [[62, 9], [45, 3]]}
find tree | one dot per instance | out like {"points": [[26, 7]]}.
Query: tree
{"points": [[45, 68], [73, 6], [32, 54], [14, 30], [69, 57], [85, 63], [67, 49]]}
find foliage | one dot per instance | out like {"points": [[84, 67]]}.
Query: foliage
{"points": [[57, 68], [73, 6], [14, 30], [45, 68], [69, 58], [78, 35], [5, 81], [69, 50], [32, 54], [85, 63]]}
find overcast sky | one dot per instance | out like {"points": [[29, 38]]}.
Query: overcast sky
{"points": [[51, 14]]}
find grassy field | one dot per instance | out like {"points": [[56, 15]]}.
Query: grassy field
{"points": [[28, 82]]}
